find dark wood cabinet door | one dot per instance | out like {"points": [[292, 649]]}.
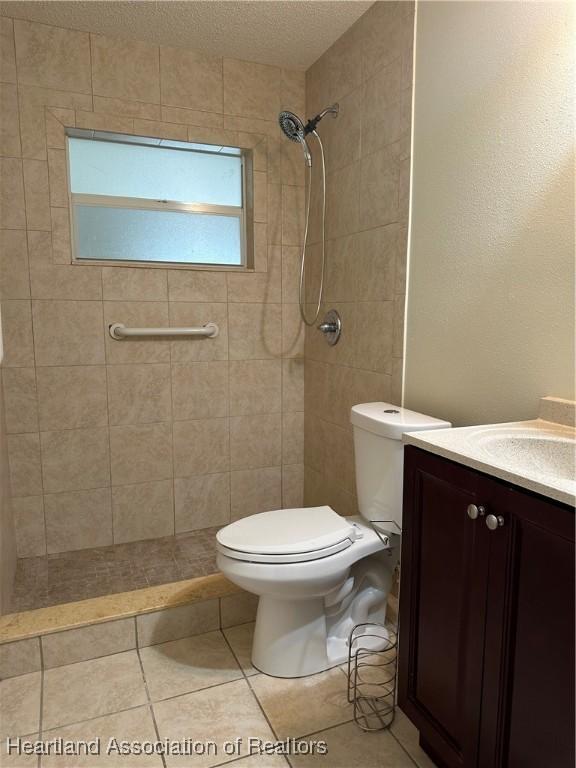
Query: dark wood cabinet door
{"points": [[442, 606], [528, 691]]}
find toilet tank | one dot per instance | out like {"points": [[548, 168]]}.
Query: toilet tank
{"points": [[379, 458]]}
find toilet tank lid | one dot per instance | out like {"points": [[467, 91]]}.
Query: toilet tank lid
{"points": [[392, 421]]}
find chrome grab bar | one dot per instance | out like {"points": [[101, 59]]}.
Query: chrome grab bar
{"points": [[119, 331]]}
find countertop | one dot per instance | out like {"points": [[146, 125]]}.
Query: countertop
{"points": [[550, 470]]}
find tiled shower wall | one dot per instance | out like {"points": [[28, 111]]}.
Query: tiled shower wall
{"points": [[118, 441], [369, 72]]}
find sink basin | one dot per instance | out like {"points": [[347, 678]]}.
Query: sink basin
{"points": [[540, 454]]}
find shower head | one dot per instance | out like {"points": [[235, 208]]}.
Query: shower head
{"points": [[293, 128], [291, 125]]}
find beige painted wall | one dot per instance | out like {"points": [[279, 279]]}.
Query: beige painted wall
{"points": [[369, 72], [490, 324], [118, 441]]}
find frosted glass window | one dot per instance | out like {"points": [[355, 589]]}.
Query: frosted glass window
{"points": [[154, 200], [132, 235]]}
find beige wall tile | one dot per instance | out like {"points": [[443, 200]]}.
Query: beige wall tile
{"points": [[10, 123], [199, 390], [68, 332], [102, 122], [255, 331], [52, 57], [374, 346], [37, 195], [89, 642], [201, 447], [151, 314], [134, 284], [78, 520], [343, 201], [174, 623], [387, 32], [293, 486], [292, 331], [143, 511], [398, 335], [24, 463], [379, 189], [292, 385], [260, 247], [138, 394], [62, 281], [58, 177], [14, 276], [59, 281], [202, 501], [396, 384], [161, 130], [127, 108], [260, 286], [141, 453], [125, 69], [56, 119], [7, 53], [71, 397], [255, 490], [187, 350], [239, 608], [33, 102], [20, 400], [192, 117], [29, 524], [259, 186], [20, 658], [292, 438], [274, 213], [189, 79], [12, 211], [75, 459], [251, 90], [196, 285], [381, 114], [255, 441], [255, 387], [61, 246], [292, 215]]}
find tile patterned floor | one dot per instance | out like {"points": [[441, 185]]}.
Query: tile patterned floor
{"points": [[201, 688], [85, 573]]}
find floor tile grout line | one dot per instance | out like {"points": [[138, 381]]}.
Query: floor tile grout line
{"points": [[246, 678], [402, 747], [149, 699]]}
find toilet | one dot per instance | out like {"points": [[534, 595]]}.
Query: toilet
{"points": [[318, 574]]}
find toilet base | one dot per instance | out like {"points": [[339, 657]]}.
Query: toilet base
{"points": [[290, 637], [296, 638]]}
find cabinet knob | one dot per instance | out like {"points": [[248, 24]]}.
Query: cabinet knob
{"points": [[493, 522], [475, 511]]}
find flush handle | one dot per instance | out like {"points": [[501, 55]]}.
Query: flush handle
{"points": [[475, 511], [493, 522]]}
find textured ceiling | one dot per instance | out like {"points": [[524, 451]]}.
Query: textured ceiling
{"points": [[288, 33]]}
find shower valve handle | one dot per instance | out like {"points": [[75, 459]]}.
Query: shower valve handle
{"points": [[328, 327]]}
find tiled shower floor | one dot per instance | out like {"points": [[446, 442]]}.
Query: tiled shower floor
{"points": [[85, 573]]}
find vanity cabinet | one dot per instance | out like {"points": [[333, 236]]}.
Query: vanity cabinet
{"points": [[486, 658]]}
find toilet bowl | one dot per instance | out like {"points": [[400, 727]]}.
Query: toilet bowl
{"points": [[318, 574]]}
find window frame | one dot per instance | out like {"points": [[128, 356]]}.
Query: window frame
{"points": [[244, 213]]}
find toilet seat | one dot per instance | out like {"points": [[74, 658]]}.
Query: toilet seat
{"points": [[287, 536]]}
